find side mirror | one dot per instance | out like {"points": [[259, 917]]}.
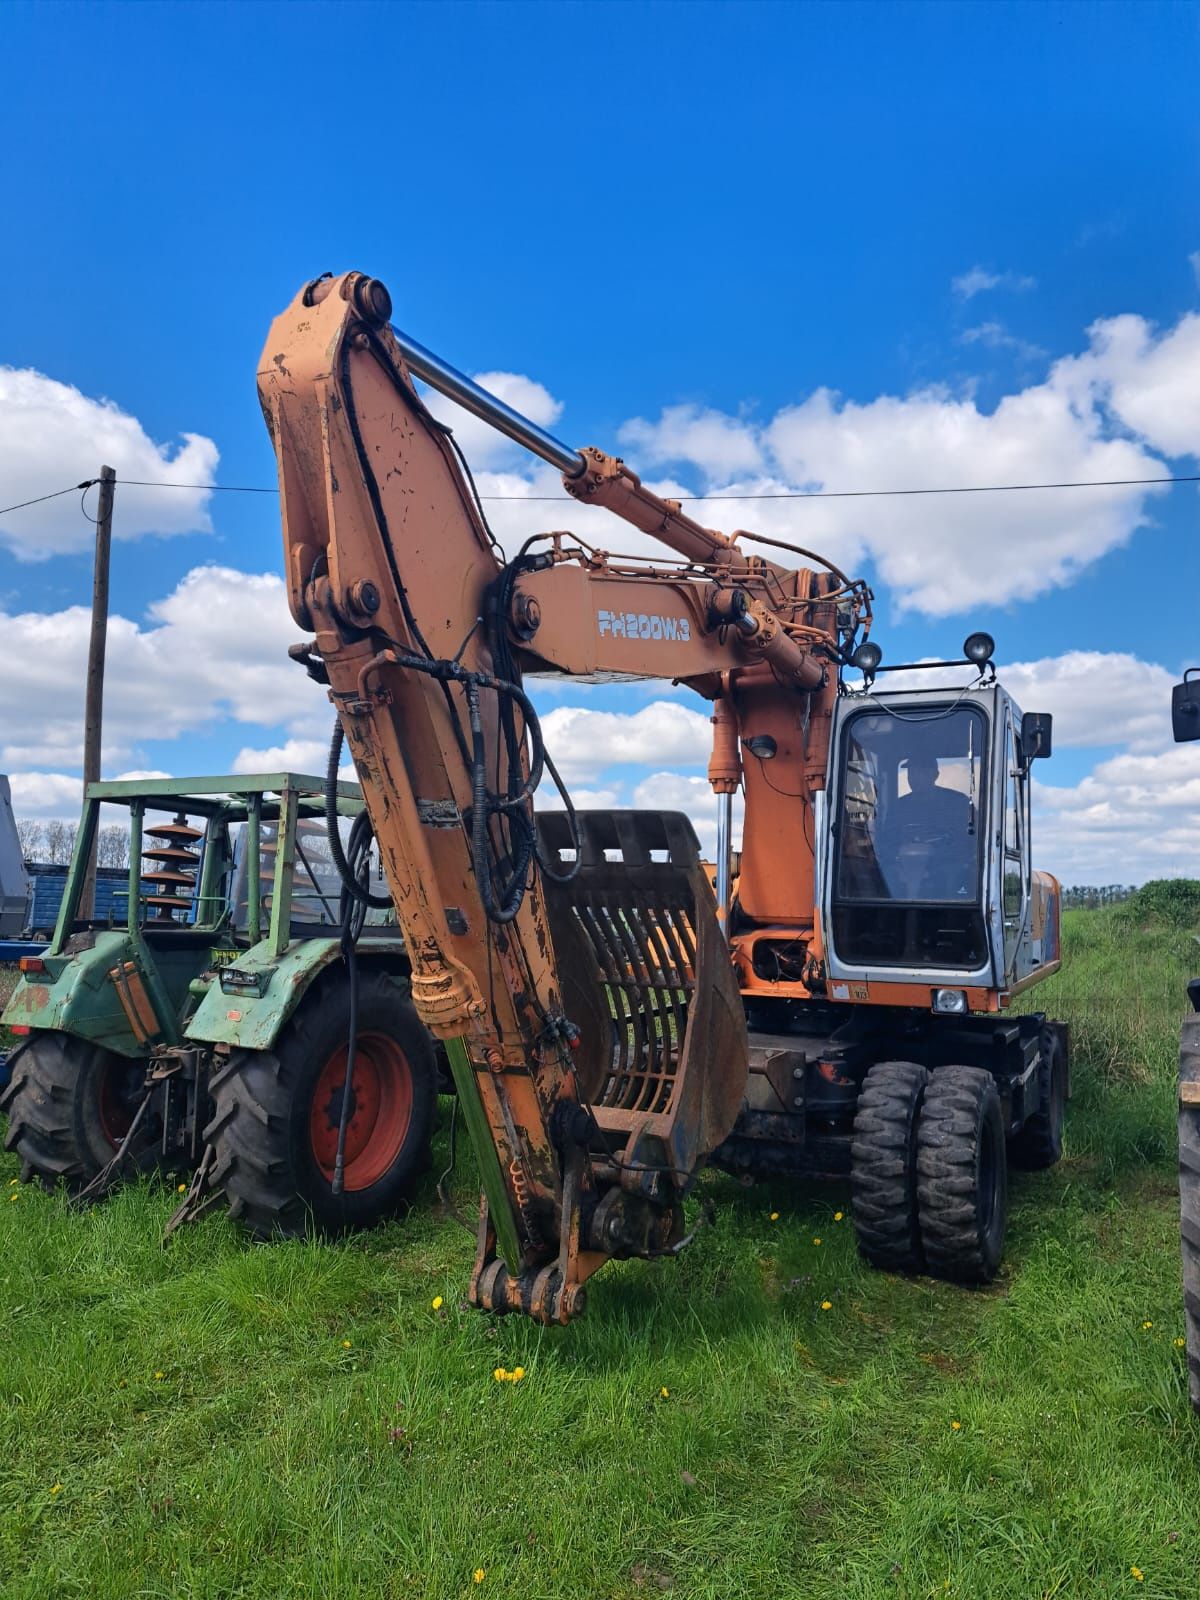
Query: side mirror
{"points": [[1185, 707], [1035, 735]]}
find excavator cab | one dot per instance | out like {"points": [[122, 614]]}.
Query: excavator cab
{"points": [[927, 873]]}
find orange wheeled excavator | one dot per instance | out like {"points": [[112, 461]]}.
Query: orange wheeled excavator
{"points": [[838, 1004]]}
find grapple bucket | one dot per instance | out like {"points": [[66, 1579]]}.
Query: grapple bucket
{"points": [[663, 1057]]}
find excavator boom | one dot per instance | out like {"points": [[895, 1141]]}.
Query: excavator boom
{"points": [[575, 969]]}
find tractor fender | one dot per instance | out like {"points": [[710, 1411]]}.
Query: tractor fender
{"points": [[75, 995], [255, 996]]}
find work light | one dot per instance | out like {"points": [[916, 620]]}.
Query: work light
{"points": [[979, 648]]}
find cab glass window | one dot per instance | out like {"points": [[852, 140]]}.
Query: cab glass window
{"points": [[1012, 797], [911, 825]]}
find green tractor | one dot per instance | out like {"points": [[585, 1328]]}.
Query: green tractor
{"points": [[210, 1033]]}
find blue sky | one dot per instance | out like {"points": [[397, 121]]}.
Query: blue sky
{"points": [[726, 209]]}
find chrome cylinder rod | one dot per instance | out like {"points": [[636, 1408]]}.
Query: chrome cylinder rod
{"points": [[456, 386], [724, 860]]}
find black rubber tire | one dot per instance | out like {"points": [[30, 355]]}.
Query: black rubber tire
{"points": [[1189, 1197], [263, 1153], [53, 1102], [883, 1166], [962, 1175], [1039, 1143]]}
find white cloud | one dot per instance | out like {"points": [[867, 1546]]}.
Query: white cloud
{"points": [[1098, 698], [60, 794], [54, 435], [1150, 382], [1111, 412], [978, 280], [1132, 818], [584, 743], [995, 336], [549, 799], [1098, 415], [723, 445], [215, 647], [293, 755]]}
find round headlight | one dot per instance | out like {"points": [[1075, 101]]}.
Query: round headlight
{"points": [[979, 648], [867, 657]]}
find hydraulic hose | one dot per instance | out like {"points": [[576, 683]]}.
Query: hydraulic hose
{"points": [[350, 883]]}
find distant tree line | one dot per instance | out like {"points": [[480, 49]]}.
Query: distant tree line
{"points": [[1173, 900], [52, 842], [1087, 896]]}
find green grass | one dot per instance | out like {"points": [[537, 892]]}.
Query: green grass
{"points": [[798, 1452]]}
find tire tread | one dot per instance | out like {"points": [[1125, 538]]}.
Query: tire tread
{"points": [[882, 1166]]}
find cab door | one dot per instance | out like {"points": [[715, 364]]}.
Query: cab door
{"points": [[1014, 874]]}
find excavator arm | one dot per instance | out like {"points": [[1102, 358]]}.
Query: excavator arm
{"points": [[575, 968]]}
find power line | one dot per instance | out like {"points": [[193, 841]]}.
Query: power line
{"points": [[690, 499], [209, 488], [71, 488]]}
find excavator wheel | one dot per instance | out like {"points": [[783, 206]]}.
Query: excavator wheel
{"points": [[883, 1166], [1039, 1143], [69, 1104], [1189, 1194], [962, 1175], [275, 1114]]}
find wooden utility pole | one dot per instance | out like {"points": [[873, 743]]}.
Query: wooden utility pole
{"points": [[93, 711]]}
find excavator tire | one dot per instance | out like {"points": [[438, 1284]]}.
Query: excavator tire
{"points": [[962, 1175], [1039, 1143], [883, 1166], [275, 1114], [69, 1104], [1189, 1195]]}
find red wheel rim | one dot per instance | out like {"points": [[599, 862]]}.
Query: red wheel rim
{"points": [[113, 1098], [381, 1098]]}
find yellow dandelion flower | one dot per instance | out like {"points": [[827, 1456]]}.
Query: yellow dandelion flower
{"points": [[182, 1189], [774, 1216], [499, 1374], [478, 1575], [345, 1344], [837, 1216], [1147, 1324], [1137, 1574], [957, 1426], [517, 1374], [159, 1375], [665, 1392], [826, 1305], [56, 1488], [13, 1195], [1179, 1343], [436, 1302], [817, 1240]]}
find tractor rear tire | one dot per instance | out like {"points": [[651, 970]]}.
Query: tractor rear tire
{"points": [[1189, 1195], [962, 1175], [69, 1104], [883, 1166], [1039, 1143], [275, 1114]]}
